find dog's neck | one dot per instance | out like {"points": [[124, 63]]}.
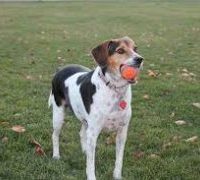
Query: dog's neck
{"points": [[113, 81]]}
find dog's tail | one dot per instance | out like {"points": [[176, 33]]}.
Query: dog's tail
{"points": [[50, 99]]}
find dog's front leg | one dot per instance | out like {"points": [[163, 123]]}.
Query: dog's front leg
{"points": [[92, 135], [120, 144]]}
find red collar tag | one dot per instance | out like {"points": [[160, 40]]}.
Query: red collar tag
{"points": [[122, 104]]}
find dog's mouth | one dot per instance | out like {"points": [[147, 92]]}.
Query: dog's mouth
{"points": [[130, 74], [132, 81]]}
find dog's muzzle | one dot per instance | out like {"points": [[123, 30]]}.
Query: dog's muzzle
{"points": [[137, 61]]}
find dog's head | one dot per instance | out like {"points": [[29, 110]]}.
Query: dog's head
{"points": [[114, 54]]}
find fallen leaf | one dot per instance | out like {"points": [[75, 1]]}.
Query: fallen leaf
{"points": [[192, 74], [39, 151], [184, 70], [18, 129], [146, 96], [169, 74], [172, 114], [167, 145], [154, 156], [197, 104], [185, 75], [138, 154], [180, 122], [34, 142], [111, 139], [4, 139], [192, 139], [151, 73], [4, 123], [29, 77], [38, 148], [17, 115]]}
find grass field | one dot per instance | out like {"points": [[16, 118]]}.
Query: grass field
{"points": [[37, 38]]}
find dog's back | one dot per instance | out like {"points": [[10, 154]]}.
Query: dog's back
{"points": [[58, 88]]}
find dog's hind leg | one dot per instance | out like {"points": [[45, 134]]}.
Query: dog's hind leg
{"points": [[58, 119], [83, 136]]}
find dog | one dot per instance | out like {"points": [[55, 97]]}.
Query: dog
{"points": [[99, 98]]}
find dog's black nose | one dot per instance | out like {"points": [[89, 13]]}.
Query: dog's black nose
{"points": [[138, 60]]}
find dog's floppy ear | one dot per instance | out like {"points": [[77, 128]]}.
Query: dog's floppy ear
{"points": [[103, 51]]}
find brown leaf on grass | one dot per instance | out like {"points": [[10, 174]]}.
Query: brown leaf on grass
{"points": [[111, 139], [4, 139], [184, 70], [17, 115], [35, 143], [192, 139], [192, 74], [154, 156], [185, 75], [29, 77], [197, 104], [18, 129], [167, 145], [38, 148], [168, 74], [172, 114], [4, 123], [138, 154], [39, 151], [180, 122], [152, 73], [146, 96]]}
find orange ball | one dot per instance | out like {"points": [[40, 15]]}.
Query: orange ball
{"points": [[129, 72]]}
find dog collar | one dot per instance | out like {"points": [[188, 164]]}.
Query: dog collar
{"points": [[108, 83], [121, 104]]}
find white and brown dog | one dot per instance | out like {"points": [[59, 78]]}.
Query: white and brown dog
{"points": [[100, 99]]}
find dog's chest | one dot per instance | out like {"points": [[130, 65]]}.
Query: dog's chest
{"points": [[114, 110]]}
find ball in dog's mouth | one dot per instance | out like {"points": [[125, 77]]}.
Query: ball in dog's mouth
{"points": [[129, 73]]}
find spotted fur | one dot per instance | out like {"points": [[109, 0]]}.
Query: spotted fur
{"points": [[94, 96]]}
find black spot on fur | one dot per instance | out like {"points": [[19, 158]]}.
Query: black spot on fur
{"points": [[87, 89], [59, 90], [104, 70], [112, 46]]}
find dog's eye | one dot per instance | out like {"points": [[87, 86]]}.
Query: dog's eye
{"points": [[120, 51]]}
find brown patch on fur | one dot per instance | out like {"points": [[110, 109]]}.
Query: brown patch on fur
{"points": [[100, 54], [112, 63], [106, 54]]}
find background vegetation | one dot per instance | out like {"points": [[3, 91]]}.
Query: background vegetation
{"points": [[37, 38]]}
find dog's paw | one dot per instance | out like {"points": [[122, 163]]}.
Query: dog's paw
{"points": [[56, 157], [117, 176]]}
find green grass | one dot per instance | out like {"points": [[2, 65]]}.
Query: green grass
{"points": [[34, 35]]}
